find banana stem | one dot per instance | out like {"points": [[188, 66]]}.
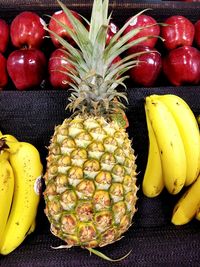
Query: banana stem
{"points": [[9, 144]]}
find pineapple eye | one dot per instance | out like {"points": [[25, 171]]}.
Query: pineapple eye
{"points": [[85, 189], [79, 153], [110, 144], [103, 180], [108, 158], [101, 200], [68, 223], [107, 161], [118, 170], [84, 211], [64, 161], [116, 192], [75, 175], [83, 139], [103, 220], [95, 150], [86, 232], [78, 156], [91, 165], [75, 128], [67, 146], [98, 134], [96, 147], [68, 200], [119, 210]]}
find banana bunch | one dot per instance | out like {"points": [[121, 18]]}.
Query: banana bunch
{"points": [[20, 183], [174, 152]]}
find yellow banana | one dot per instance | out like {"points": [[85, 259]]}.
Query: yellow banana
{"points": [[197, 215], [3, 140], [187, 206], [32, 227], [6, 190], [198, 119], [189, 130], [170, 145], [153, 183], [27, 168]]}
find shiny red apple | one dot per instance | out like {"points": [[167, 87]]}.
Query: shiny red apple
{"points": [[4, 35], [182, 66], [197, 33], [27, 30], [55, 27], [58, 62], [26, 68], [151, 29], [179, 31], [3, 72], [148, 69]]}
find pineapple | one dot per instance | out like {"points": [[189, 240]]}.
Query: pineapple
{"points": [[90, 178]]}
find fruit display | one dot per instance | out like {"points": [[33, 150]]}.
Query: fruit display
{"points": [[20, 179], [109, 95]]}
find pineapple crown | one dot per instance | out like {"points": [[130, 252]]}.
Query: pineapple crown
{"points": [[95, 77]]}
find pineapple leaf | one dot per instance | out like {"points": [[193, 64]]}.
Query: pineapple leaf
{"points": [[68, 29], [69, 47], [126, 47], [99, 46], [80, 35], [109, 53], [105, 12], [118, 82], [98, 18], [117, 70], [119, 33]]}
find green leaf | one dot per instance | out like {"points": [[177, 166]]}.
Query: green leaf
{"points": [[98, 51], [96, 20], [120, 32], [80, 32], [118, 70]]}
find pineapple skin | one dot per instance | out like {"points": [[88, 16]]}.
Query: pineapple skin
{"points": [[90, 180]]}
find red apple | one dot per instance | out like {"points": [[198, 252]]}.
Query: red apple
{"points": [[27, 30], [179, 31], [144, 21], [148, 69], [4, 35], [3, 72], [197, 33], [58, 62], [182, 66], [55, 27], [26, 68]]}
